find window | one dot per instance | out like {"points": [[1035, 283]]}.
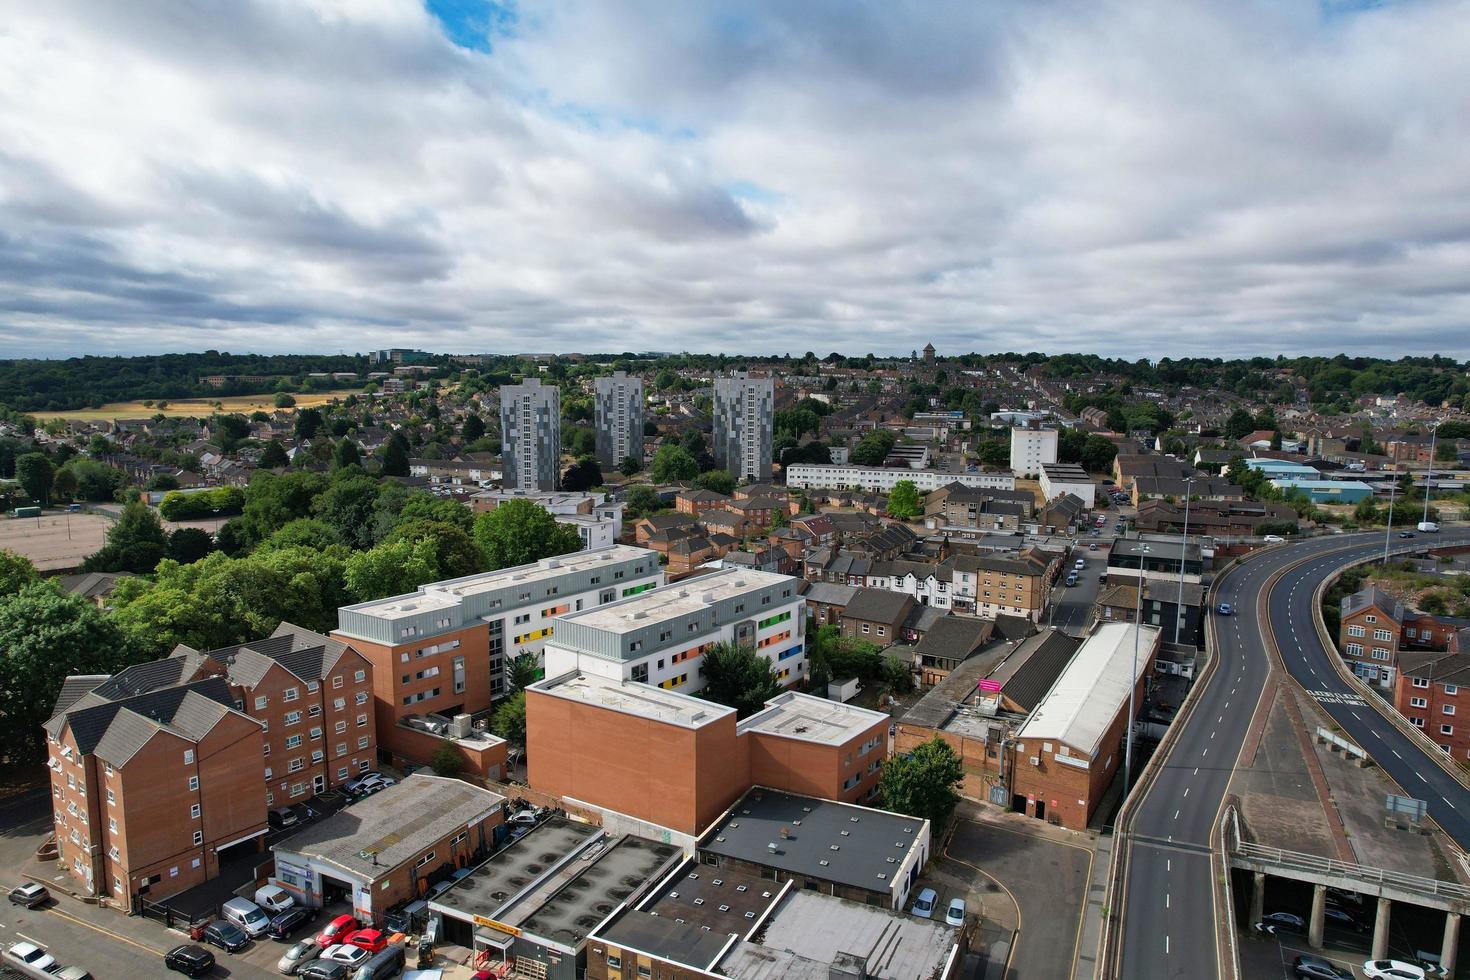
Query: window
{"points": [[342, 773], [198, 837], [1382, 635], [1418, 702], [297, 764], [1356, 631], [316, 733], [1356, 650], [260, 703], [194, 811], [291, 694], [298, 789], [867, 628], [265, 748], [188, 757], [360, 699], [193, 783], [1448, 709], [361, 720], [313, 711], [1424, 682], [339, 703], [360, 676], [337, 681], [1452, 689], [427, 858], [341, 749], [316, 757], [340, 727], [362, 742], [362, 765], [267, 773], [1371, 618], [293, 718], [293, 741], [112, 827], [614, 962], [111, 800]]}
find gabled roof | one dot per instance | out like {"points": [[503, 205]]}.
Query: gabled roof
{"points": [[954, 637], [305, 653], [1375, 597], [877, 605], [180, 708]]}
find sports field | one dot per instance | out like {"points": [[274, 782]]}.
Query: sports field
{"points": [[196, 407]]}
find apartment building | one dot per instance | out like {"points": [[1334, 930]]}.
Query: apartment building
{"points": [[530, 433], [881, 479], [1031, 449], [678, 762], [154, 773], [1432, 690], [619, 416], [744, 413], [443, 649], [1377, 628], [956, 505], [1156, 560], [659, 636], [1009, 584], [1057, 478]]}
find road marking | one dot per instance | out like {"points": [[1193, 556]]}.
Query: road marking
{"points": [[1186, 793], [1176, 814], [108, 933], [1448, 803], [1196, 770], [1169, 862], [1166, 899], [1396, 754], [1375, 734], [34, 942], [1219, 719], [1212, 737], [1356, 715], [1421, 777], [1204, 753], [1166, 945]]}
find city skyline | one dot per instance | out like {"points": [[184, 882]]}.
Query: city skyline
{"points": [[1156, 180]]}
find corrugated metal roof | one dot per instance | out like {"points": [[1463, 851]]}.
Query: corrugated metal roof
{"points": [[1085, 699]]}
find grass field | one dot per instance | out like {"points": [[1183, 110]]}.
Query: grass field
{"points": [[196, 407]]}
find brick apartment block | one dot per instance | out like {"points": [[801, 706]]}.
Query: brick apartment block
{"points": [[1376, 628], [1432, 690]]}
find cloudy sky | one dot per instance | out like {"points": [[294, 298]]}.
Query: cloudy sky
{"points": [[1122, 176]]}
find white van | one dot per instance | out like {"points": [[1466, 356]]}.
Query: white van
{"points": [[273, 898], [245, 914]]}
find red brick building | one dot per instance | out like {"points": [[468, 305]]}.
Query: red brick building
{"points": [[1376, 628], [1432, 691]]}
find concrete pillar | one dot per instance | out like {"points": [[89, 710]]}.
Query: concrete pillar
{"points": [[1380, 930], [1314, 925], [1451, 943], [1258, 896]]}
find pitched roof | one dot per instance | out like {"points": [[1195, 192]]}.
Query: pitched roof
{"points": [[90, 585], [877, 605], [182, 708], [1376, 597], [828, 593], [954, 637], [1038, 661]]}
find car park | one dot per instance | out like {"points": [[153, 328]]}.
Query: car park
{"points": [[191, 961], [1276, 923], [294, 959], [283, 924], [372, 940], [30, 895], [345, 953], [226, 935], [386, 963], [30, 955], [1393, 970], [1308, 967], [325, 970], [335, 930], [955, 914], [923, 906]]}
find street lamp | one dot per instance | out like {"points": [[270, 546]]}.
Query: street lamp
{"points": [[1388, 531], [1133, 679], [1429, 474], [1183, 547]]}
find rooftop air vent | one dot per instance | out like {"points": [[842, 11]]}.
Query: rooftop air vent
{"points": [[740, 888], [824, 862], [699, 901], [750, 915], [882, 876], [834, 847], [724, 908], [718, 881]]}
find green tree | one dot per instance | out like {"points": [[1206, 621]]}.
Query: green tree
{"points": [[425, 506], [903, 501], [897, 675], [873, 448], [391, 569], [519, 532], [993, 452], [189, 544], [738, 677], [346, 454], [395, 456], [509, 721], [474, 428], [136, 543], [924, 783], [16, 572], [522, 670], [673, 464], [283, 400], [1098, 453], [716, 481], [1444, 452], [34, 472], [273, 456], [64, 485], [1240, 424], [582, 475], [44, 636], [642, 501], [347, 506], [447, 760], [308, 423], [304, 532], [629, 466], [97, 481], [455, 554]]}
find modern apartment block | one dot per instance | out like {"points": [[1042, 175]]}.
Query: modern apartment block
{"points": [[744, 413], [660, 636], [154, 773], [1032, 448], [443, 649], [619, 405], [679, 762], [530, 433]]}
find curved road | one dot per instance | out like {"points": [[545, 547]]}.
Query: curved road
{"points": [[1168, 914]]}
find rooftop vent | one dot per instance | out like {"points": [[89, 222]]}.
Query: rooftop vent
{"points": [[699, 901], [824, 862], [673, 894], [750, 915], [846, 833], [773, 847], [835, 847], [891, 860], [718, 881], [740, 888], [882, 876], [724, 908]]}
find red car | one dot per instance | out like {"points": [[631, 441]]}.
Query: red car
{"points": [[372, 940], [341, 926]]}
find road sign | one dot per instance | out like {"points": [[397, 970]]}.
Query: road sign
{"points": [[1407, 805]]}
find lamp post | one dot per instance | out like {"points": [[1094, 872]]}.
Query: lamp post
{"points": [[1429, 474], [1133, 680], [1183, 547], [1388, 531]]}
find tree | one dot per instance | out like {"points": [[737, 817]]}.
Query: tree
{"points": [[273, 456], [473, 429], [391, 569], [347, 507], [304, 532], [1240, 424], [903, 501], [96, 481], [896, 674], [522, 670], [739, 678], [425, 506], [136, 543], [189, 544], [34, 472], [582, 475], [629, 466], [519, 532], [46, 635], [346, 454], [283, 400], [16, 572], [308, 423], [64, 485], [873, 448], [447, 761], [993, 452], [642, 501], [673, 464], [395, 456], [510, 720], [923, 783], [1098, 453], [1444, 452], [716, 481], [455, 554]]}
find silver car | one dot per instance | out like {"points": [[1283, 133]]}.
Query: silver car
{"points": [[298, 956]]}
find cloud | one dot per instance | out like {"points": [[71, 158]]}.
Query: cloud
{"points": [[1135, 178]]}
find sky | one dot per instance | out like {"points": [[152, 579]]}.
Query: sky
{"points": [[1135, 178]]}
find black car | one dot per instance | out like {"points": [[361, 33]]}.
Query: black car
{"points": [[1342, 918], [1279, 922], [324, 970], [191, 961], [226, 935], [1316, 968], [281, 818], [287, 922]]}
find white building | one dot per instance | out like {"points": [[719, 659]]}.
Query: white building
{"points": [[558, 504], [1058, 478], [878, 479], [660, 636], [595, 532], [1031, 449]]}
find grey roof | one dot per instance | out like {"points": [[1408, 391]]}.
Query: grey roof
{"points": [[863, 848], [666, 936], [1373, 596], [1034, 667], [576, 904], [504, 875], [922, 617], [73, 688], [877, 605], [1014, 627], [371, 838], [954, 637], [1024, 562], [1436, 665], [829, 593], [116, 729], [90, 585], [308, 655]]}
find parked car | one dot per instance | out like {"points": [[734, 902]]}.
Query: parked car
{"points": [[1316, 968], [245, 914], [1080, 563], [387, 963], [191, 961], [297, 957], [324, 970], [1276, 923], [1092, 546], [1393, 970], [73, 973], [281, 818], [372, 940], [273, 898], [527, 817], [287, 922], [1224, 609], [335, 930], [346, 954], [923, 906], [31, 955], [30, 895], [226, 935], [1273, 539], [955, 914], [369, 783], [1334, 916]]}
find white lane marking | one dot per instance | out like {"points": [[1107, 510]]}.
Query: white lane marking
{"points": [[1176, 814], [1448, 803], [1169, 862], [1166, 945], [1186, 793], [1196, 770], [1166, 899], [1396, 754], [1375, 734], [1204, 753], [34, 942], [1421, 777]]}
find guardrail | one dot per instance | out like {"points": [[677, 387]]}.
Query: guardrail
{"points": [[1315, 864], [1229, 965]]}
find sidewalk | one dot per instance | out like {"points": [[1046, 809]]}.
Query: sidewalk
{"points": [[1092, 913]]}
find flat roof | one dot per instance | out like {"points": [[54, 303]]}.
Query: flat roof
{"points": [[838, 842], [630, 697], [599, 885], [672, 601], [812, 719], [513, 869], [375, 835], [1085, 698]]}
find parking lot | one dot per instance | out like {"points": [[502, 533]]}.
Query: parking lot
{"points": [[55, 540]]}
